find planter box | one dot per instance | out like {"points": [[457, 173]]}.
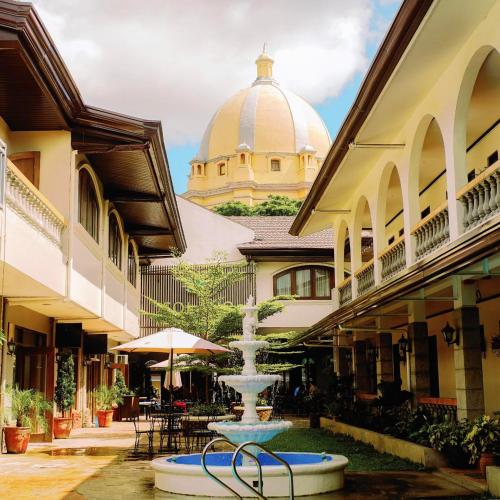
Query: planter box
{"points": [[388, 444]]}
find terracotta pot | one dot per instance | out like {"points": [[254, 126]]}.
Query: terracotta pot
{"points": [[105, 418], [486, 460], [16, 439], [62, 427]]}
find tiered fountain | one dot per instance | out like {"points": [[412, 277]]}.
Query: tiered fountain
{"points": [[313, 473]]}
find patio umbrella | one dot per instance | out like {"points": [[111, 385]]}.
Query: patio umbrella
{"points": [[172, 341]]}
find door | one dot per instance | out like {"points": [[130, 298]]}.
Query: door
{"points": [[433, 367], [28, 163]]}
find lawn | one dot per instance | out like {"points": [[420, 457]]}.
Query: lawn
{"points": [[362, 457]]}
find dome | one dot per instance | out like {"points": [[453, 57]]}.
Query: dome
{"points": [[264, 118]]}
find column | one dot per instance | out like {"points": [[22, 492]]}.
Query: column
{"points": [[361, 372], [468, 363], [419, 358], [385, 368]]}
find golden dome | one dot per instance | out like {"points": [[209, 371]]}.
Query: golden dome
{"points": [[264, 118]]}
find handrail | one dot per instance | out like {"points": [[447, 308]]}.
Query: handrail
{"points": [[388, 248], [477, 179], [215, 478], [429, 217], [345, 281], [269, 452], [362, 268]]}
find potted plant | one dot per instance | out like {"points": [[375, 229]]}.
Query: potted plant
{"points": [[449, 438], [64, 396], [105, 398], [28, 409], [482, 439], [129, 406]]}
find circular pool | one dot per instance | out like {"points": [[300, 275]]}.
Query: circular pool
{"points": [[313, 473]]}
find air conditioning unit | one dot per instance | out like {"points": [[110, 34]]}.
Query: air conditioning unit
{"points": [[121, 359]]}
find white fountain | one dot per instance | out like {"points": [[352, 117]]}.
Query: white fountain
{"points": [[313, 473], [249, 384]]}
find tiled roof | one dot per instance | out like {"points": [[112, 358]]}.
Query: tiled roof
{"points": [[272, 232]]}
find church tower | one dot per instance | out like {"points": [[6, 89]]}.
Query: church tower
{"points": [[263, 140]]}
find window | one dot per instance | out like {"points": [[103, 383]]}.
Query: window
{"points": [[222, 169], [391, 240], [493, 158], [28, 163], [275, 165], [425, 212], [199, 169], [471, 175], [114, 242], [242, 158], [132, 265], [311, 282], [88, 206]]}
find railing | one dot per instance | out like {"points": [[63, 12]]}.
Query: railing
{"points": [[345, 291], [25, 199], [481, 197], [432, 232], [393, 258], [438, 409], [366, 277]]}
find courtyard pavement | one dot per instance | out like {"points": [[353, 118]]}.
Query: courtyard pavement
{"points": [[100, 464]]}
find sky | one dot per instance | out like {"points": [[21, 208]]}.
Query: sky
{"points": [[178, 60]]}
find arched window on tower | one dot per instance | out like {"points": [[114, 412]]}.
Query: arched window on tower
{"points": [[275, 165], [88, 206], [242, 158], [222, 168], [199, 169], [114, 242]]}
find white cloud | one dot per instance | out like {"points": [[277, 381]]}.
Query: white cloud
{"points": [[179, 60]]}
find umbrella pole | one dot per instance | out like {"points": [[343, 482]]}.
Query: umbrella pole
{"points": [[171, 385]]}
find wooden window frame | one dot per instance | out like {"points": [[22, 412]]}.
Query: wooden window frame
{"points": [[114, 232], [132, 265], [29, 155], [221, 169], [271, 165], [94, 234], [293, 280]]}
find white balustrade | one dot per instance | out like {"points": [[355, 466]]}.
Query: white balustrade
{"points": [[481, 197], [432, 232], [345, 291], [393, 258], [365, 277], [24, 199]]}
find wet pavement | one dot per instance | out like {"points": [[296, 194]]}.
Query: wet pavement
{"points": [[100, 464]]}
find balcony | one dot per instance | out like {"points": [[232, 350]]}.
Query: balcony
{"points": [[365, 276], [481, 197], [393, 258], [24, 199], [345, 291], [432, 232]]}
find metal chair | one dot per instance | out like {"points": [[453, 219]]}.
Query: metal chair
{"points": [[171, 428], [139, 431]]}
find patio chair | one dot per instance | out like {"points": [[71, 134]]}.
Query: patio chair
{"points": [[171, 428], [141, 430], [198, 434]]}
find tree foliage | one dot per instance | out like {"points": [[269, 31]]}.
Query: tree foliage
{"points": [[273, 206], [211, 317]]}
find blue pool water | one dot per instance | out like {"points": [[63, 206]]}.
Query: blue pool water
{"points": [[224, 459]]}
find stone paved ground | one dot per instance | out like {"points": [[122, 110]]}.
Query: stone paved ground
{"points": [[98, 464]]}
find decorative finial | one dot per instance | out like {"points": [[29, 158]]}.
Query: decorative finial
{"points": [[264, 48], [264, 65]]}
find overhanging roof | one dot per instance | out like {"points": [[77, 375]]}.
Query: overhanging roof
{"points": [[37, 92]]}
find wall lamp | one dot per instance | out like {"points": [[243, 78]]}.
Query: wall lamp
{"points": [[11, 348], [404, 347], [450, 335]]}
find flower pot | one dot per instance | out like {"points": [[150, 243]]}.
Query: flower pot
{"points": [[62, 427], [104, 418], [16, 439], [486, 460]]}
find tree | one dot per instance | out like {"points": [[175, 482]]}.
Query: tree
{"points": [[64, 395], [120, 385], [273, 206], [211, 317], [233, 208]]}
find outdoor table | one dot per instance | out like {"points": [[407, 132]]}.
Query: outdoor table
{"points": [[147, 407]]}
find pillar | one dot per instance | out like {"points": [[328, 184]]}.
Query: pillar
{"points": [[468, 363], [419, 358], [385, 369], [361, 373]]}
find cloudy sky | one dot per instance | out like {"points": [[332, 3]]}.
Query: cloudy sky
{"points": [[178, 60]]}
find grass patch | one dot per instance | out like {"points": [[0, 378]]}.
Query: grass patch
{"points": [[362, 457]]}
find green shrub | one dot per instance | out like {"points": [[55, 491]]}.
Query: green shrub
{"points": [[106, 397], [483, 436], [120, 385], [64, 396], [211, 409], [28, 408]]}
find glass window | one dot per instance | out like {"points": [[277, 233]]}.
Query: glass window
{"points": [[275, 166], [88, 206], [132, 266], [222, 169], [115, 242], [322, 282], [303, 278], [284, 284]]}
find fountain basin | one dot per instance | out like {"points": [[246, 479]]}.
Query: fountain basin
{"points": [[314, 473], [252, 384], [259, 432]]}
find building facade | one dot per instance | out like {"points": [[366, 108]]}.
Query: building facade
{"points": [[79, 186], [416, 162], [264, 140]]}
